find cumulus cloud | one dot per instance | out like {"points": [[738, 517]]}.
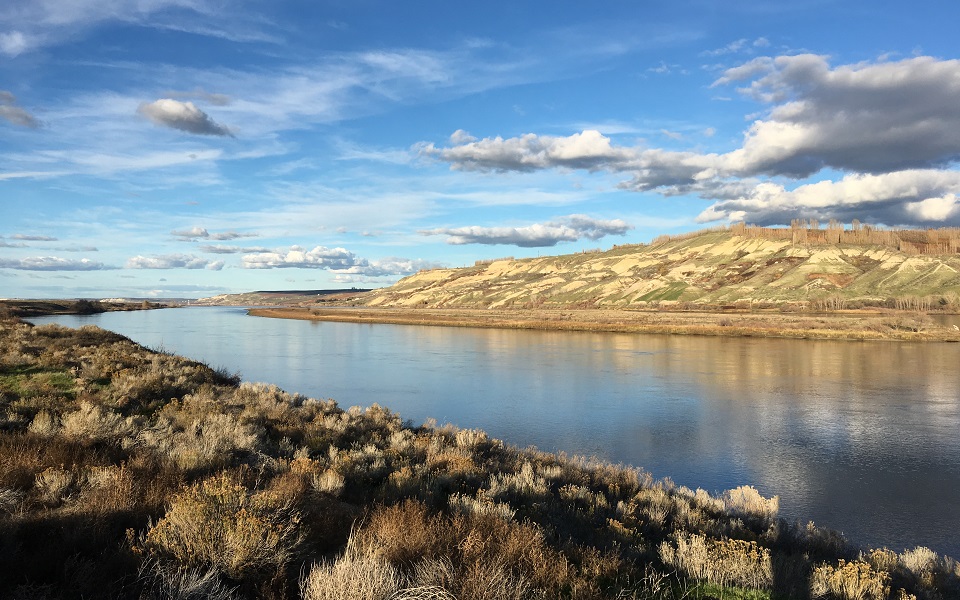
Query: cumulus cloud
{"points": [[337, 260], [199, 233], [320, 257], [51, 263], [11, 112], [567, 229], [589, 150], [867, 117], [914, 197], [173, 261], [870, 118], [184, 116]]}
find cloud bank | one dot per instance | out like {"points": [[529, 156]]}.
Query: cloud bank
{"points": [[899, 120], [52, 263], [183, 116], [567, 229]]}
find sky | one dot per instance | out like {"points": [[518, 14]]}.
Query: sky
{"points": [[189, 148]]}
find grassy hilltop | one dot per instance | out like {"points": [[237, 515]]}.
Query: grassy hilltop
{"points": [[804, 265], [128, 473]]}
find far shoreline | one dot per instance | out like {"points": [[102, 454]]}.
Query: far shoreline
{"points": [[847, 325]]}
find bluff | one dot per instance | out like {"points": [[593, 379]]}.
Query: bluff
{"points": [[832, 268]]}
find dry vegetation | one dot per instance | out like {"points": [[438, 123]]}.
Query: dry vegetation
{"points": [[127, 473], [737, 322]]}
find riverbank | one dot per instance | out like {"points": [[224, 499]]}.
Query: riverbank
{"points": [[849, 325], [131, 473], [39, 308]]}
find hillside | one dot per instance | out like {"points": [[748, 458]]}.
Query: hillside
{"points": [[829, 268], [280, 298]]}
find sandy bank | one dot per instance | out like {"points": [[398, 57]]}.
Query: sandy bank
{"points": [[840, 326]]}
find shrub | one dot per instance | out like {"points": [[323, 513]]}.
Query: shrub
{"points": [[96, 423], [354, 576], [54, 485], [44, 424], [328, 482], [854, 580], [746, 501], [723, 562], [219, 523], [164, 583], [10, 500]]}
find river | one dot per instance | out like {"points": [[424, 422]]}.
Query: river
{"points": [[862, 437]]}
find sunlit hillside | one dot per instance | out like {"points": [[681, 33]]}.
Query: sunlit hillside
{"points": [[831, 267]]}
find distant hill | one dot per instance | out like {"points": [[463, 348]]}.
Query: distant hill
{"points": [[804, 264], [282, 297]]}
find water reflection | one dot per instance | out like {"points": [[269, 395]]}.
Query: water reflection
{"points": [[856, 436]]}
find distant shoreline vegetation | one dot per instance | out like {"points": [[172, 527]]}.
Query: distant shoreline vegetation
{"points": [[737, 321], [82, 306], [130, 473]]}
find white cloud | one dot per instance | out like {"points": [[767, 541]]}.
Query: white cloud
{"points": [[173, 261], [38, 23], [586, 150], [320, 257], [336, 260], [13, 43], [184, 116], [190, 235], [907, 198], [52, 263], [743, 45], [874, 118], [866, 117], [199, 233], [567, 229]]}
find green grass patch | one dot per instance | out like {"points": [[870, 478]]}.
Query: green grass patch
{"points": [[32, 381]]}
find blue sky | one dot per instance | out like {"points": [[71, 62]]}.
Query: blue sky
{"points": [[196, 147]]}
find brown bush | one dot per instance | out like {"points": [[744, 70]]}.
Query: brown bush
{"points": [[220, 523]]}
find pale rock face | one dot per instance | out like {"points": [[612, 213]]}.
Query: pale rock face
{"points": [[714, 266]]}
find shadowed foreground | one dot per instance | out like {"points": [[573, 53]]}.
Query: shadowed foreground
{"points": [[127, 473]]}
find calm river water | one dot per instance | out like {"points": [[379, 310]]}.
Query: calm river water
{"points": [[862, 437]]}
